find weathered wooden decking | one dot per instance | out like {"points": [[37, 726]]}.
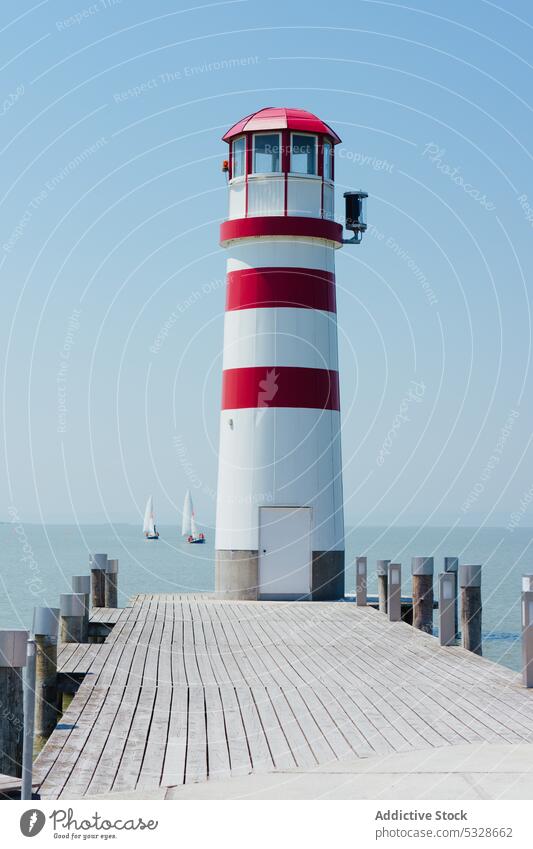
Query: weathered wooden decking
{"points": [[187, 688]]}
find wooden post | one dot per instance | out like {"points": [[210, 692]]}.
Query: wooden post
{"points": [[382, 569], [360, 581], [111, 584], [470, 584], [13, 647], [422, 572], [447, 599], [527, 630], [394, 599], [26, 785], [98, 563], [45, 631], [72, 611], [82, 584], [451, 564]]}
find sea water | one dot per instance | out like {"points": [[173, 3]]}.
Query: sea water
{"points": [[37, 562]]}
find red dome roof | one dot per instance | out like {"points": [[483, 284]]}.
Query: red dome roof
{"points": [[280, 118]]}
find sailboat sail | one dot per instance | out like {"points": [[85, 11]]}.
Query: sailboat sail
{"points": [[186, 523], [189, 528], [149, 521]]}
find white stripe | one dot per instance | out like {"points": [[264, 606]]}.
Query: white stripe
{"points": [[279, 456], [280, 337], [281, 253], [304, 197]]}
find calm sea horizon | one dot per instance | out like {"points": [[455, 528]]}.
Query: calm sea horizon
{"points": [[37, 562]]}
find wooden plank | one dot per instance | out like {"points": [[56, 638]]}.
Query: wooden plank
{"points": [[224, 634], [123, 644], [177, 659], [164, 669], [150, 669], [56, 743], [189, 654], [154, 757], [389, 675], [65, 652], [260, 754], [133, 757], [218, 760], [278, 745], [94, 744], [203, 661], [320, 731], [344, 674], [368, 737], [130, 671], [176, 748], [248, 659], [473, 717], [133, 676], [70, 748], [379, 699], [316, 672], [299, 746], [196, 758], [239, 753], [105, 770], [214, 650]]}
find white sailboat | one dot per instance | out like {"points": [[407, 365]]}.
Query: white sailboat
{"points": [[149, 529], [189, 528]]}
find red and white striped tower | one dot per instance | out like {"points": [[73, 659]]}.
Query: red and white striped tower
{"points": [[280, 527]]}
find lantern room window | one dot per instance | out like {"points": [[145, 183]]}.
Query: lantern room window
{"points": [[328, 160], [303, 154], [239, 157], [266, 158]]}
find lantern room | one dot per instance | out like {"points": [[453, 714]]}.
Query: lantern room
{"points": [[281, 163]]}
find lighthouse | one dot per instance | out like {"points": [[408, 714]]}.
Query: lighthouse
{"points": [[279, 522]]}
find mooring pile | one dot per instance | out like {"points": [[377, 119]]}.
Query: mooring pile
{"points": [[30, 700], [456, 580]]}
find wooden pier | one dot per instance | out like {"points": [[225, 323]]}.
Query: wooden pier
{"points": [[188, 688]]}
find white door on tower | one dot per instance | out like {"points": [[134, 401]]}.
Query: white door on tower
{"points": [[284, 552]]}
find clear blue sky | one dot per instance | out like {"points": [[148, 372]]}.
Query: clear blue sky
{"points": [[112, 278]]}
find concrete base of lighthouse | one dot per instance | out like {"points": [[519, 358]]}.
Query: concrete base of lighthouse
{"points": [[237, 576], [327, 575]]}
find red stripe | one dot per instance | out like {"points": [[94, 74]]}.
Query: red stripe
{"points": [[280, 386], [305, 288], [280, 225]]}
